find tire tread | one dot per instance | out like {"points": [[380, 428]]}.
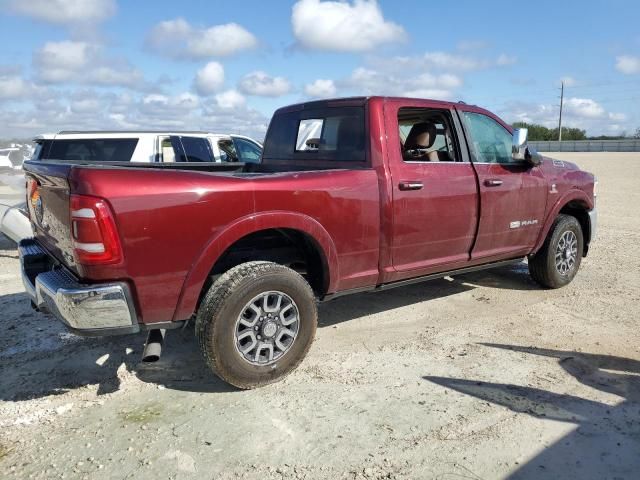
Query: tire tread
{"points": [[207, 323], [539, 264]]}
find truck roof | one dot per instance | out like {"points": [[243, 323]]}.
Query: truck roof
{"points": [[356, 101]]}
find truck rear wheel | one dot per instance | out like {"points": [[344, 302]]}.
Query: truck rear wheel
{"points": [[256, 324], [557, 262]]}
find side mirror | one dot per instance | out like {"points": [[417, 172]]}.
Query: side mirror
{"points": [[519, 144], [520, 150]]}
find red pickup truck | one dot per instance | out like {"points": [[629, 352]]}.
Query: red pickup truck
{"points": [[352, 195]]}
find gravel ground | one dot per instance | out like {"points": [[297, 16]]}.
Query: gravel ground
{"points": [[482, 376]]}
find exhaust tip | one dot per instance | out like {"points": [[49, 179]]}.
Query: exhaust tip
{"points": [[153, 347]]}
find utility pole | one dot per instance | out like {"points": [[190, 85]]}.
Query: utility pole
{"points": [[561, 103]]}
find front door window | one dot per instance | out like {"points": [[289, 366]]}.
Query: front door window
{"points": [[491, 142]]}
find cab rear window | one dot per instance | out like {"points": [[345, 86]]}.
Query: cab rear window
{"points": [[90, 150], [333, 134]]}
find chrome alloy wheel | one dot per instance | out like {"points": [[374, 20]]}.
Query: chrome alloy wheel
{"points": [[566, 253], [267, 327]]}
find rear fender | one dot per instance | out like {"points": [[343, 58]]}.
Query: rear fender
{"points": [[241, 228], [573, 195]]}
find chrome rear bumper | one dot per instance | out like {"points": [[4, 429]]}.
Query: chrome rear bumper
{"points": [[90, 310]]}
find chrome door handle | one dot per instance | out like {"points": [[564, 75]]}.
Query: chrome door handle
{"points": [[493, 182], [410, 185]]}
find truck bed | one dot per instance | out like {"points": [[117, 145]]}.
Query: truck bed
{"points": [[173, 221]]}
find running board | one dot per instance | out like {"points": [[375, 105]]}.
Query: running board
{"points": [[424, 278]]}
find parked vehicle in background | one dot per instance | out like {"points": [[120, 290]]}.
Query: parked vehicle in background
{"points": [[146, 147], [113, 147], [14, 222], [351, 195], [11, 158]]}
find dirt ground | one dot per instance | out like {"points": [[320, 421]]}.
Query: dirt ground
{"points": [[482, 376]]}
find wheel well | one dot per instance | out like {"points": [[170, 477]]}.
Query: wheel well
{"points": [[292, 248], [579, 211]]}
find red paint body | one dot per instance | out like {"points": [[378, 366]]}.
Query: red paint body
{"points": [[175, 224]]}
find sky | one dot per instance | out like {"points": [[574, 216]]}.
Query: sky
{"points": [[225, 66]]}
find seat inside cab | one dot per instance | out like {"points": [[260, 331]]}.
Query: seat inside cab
{"points": [[426, 135]]}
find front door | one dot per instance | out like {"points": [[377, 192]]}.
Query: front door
{"points": [[512, 193], [435, 198]]}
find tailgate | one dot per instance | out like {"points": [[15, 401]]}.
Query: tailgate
{"points": [[48, 206]]}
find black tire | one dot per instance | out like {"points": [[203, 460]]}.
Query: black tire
{"points": [[226, 300], [542, 265]]}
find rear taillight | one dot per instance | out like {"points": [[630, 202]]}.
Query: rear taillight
{"points": [[32, 194], [93, 231]]}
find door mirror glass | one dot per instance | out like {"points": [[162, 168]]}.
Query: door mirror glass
{"points": [[519, 144]]}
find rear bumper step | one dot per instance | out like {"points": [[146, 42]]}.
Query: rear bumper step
{"points": [[88, 310]]}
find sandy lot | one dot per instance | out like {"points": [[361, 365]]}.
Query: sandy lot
{"points": [[480, 377]]}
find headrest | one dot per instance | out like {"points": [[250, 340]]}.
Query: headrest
{"points": [[421, 135]]}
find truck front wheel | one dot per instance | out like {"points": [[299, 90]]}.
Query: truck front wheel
{"points": [[557, 262], [256, 324]]}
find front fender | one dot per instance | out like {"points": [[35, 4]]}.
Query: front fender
{"points": [[245, 226], [573, 195]]}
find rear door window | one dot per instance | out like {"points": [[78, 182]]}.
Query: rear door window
{"points": [[194, 149], [91, 150]]}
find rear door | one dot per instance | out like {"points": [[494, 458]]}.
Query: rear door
{"points": [[435, 197], [513, 194]]}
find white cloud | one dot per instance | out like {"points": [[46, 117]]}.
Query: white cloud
{"points": [[440, 61], [453, 62], [430, 93], [65, 109], [261, 84], [504, 59], [583, 113], [343, 26], [368, 81], [64, 11], [84, 63], [178, 39], [60, 61], [14, 87], [617, 117], [230, 99], [569, 81], [628, 64], [85, 101], [583, 107], [124, 76], [209, 79], [169, 106], [321, 88]]}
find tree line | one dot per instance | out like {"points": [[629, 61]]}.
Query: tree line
{"points": [[542, 133]]}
